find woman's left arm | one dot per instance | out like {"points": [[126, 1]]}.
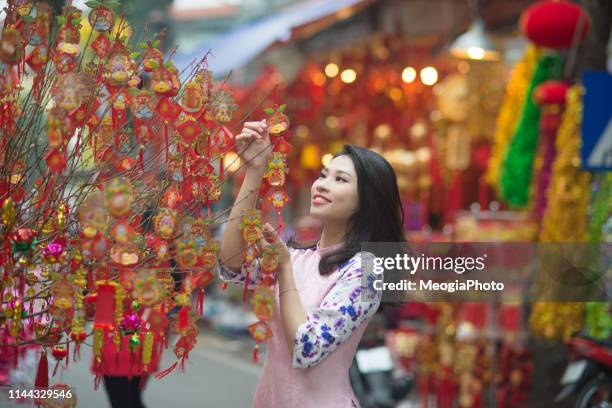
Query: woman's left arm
{"points": [[314, 335]]}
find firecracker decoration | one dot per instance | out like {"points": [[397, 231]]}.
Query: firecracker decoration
{"points": [[517, 168], [512, 105]]}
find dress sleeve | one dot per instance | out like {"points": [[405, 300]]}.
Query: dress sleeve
{"points": [[350, 303], [253, 270]]}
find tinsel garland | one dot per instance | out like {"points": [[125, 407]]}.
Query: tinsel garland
{"points": [[568, 193], [517, 169], [598, 314], [512, 105], [565, 218]]}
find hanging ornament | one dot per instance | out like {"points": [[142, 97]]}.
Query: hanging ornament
{"points": [[186, 251], [101, 45], [192, 100], [251, 226], [69, 37], [188, 129], [165, 81], [278, 199], [147, 289], [69, 90], [119, 197], [277, 169], [42, 24], [222, 106], [260, 332], [101, 17], [11, 45], [278, 122], [119, 71], [165, 223], [263, 303], [56, 160], [38, 57], [269, 264], [204, 78], [152, 57], [93, 216], [143, 103]]}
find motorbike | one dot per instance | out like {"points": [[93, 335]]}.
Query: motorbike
{"points": [[375, 379], [589, 375]]}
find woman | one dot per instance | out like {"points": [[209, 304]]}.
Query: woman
{"points": [[322, 307]]}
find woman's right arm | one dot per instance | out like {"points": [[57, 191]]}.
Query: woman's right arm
{"points": [[254, 148]]}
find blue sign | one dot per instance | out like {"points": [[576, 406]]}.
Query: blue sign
{"points": [[597, 121]]}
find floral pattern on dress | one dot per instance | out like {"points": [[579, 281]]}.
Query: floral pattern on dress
{"points": [[229, 275], [341, 312]]}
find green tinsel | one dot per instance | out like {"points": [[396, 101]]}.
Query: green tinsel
{"points": [[598, 314], [517, 169]]}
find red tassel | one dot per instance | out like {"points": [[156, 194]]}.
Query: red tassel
{"points": [[183, 317], [167, 371], [97, 380], [76, 355], [183, 360], [15, 355], [67, 353], [143, 381], [166, 140], [246, 287], [256, 354], [221, 168], [281, 222], [200, 302], [42, 374], [141, 158], [55, 369]]}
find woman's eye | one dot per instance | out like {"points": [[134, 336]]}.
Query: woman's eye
{"points": [[341, 179], [321, 175]]}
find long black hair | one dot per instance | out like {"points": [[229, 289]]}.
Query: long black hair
{"points": [[379, 217]]}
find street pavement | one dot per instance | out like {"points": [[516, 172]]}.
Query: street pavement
{"points": [[220, 374]]}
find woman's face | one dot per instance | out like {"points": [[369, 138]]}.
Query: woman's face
{"points": [[334, 194]]}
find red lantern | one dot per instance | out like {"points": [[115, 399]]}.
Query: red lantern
{"points": [[553, 23], [550, 93]]}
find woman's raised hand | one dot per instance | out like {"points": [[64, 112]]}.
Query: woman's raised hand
{"points": [[253, 144]]}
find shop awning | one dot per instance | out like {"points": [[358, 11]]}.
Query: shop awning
{"points": [[239, 46]]}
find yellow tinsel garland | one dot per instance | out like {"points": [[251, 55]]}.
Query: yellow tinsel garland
{"points": [[565, 218], [511, 108]]}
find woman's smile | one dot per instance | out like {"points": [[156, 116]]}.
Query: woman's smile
{"points": [[318, 199]]}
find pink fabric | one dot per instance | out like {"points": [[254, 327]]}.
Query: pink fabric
{"points": [[316, 376]]}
